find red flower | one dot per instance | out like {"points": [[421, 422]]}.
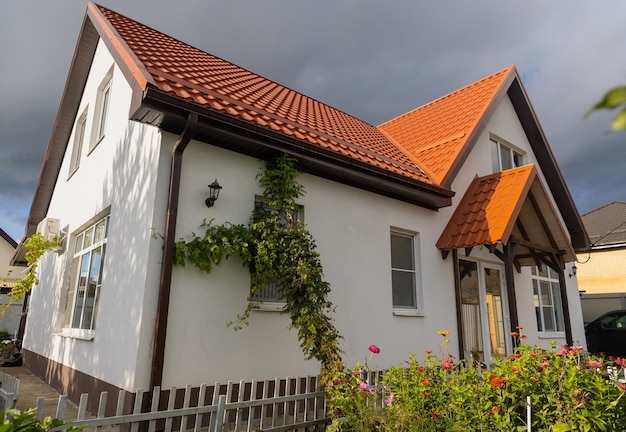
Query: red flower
{"points": [[497, 382], [421, 369], [374, 349], [446, 366], [424, 381], [436, 414]]}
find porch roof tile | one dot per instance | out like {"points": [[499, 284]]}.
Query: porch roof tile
{"points": [[488, 209]]}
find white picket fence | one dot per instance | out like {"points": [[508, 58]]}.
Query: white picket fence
{"points": [[292, 404], [9, 390]]}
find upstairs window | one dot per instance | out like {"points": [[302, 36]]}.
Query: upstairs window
{"points": [[405, 277], [79, 139], [505, 156], [86, 276], [547, 298], [102, 112]]}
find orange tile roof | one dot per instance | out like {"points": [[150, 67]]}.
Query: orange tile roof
{"points": [[437, 133], [210, 82], [488, 210]]}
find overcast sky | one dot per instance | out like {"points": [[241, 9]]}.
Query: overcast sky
{"points": [[373, 59]]}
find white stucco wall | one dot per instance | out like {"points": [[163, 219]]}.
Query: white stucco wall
{"points": [[351, 228], [118, 177]]}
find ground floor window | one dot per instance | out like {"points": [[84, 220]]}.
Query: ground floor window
{"points": [[86, 276], [547, 297]]}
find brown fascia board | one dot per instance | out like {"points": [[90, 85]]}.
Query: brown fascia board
{"points": [[61, 130], [170, 113], [549, 167]]}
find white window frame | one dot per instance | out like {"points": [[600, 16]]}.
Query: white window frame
{"points": [[103, 103], [267, 299], [545, 278], [516, 157], [86, 242], [416, 309], [79, 138]]}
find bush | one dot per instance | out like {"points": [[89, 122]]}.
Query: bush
{"points": [[568, 390], [13, 420]]}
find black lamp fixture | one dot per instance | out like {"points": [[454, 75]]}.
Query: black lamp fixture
{"points": [[573, 273], [214, 191]]}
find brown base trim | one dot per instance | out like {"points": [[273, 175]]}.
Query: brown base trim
{"points": [[73, 383]]}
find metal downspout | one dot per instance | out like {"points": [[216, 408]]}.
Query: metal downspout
{"points": [[165, 284]]}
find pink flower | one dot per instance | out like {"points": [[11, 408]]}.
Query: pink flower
{"points": [[363, 386], [389, 400], [373, 349], [595, 364], [621, 385], [372, 390]]}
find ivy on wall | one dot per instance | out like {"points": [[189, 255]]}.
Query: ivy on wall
{"points": [[276, 247], [36, 246]]}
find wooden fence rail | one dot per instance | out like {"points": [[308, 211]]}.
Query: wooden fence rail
{"points": [[9, 390], [292, 404]]}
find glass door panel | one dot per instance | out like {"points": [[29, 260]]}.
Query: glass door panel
{"points": [[495, 313], [470, 311]]}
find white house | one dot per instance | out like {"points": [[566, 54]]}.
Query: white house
{"points": [[11, 320], [460, 200]]}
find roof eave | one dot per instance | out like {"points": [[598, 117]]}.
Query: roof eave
{"points": [[169, 113], [61, 130], [549, 167]]}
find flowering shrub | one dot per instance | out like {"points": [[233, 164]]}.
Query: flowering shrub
{"points": [[568, 390]]}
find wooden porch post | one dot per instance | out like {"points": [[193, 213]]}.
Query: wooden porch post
{"points": [[565, 303], [510, 287], [458, 301]]}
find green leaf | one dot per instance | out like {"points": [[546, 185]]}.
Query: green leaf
{"points": [[619, 122], [612, 99], [560, 427]]}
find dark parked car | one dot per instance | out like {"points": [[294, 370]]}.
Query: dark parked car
{"points": [[607, 334]]}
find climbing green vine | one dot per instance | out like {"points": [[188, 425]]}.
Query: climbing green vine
{"points": [[276, 247], [36, 246]]}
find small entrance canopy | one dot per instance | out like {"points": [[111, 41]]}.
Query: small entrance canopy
{"points": [[511, 213], [509, 207]]}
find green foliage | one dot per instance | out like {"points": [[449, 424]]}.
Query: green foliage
{"points": [[569, 391], [276, 247], [614, 98], [13, 420], [36, 247]]}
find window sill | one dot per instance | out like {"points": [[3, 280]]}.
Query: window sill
{"points": [[551, 335], [408, 312], [268, 306], [70, 333]]}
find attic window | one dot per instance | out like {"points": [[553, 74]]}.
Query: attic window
{"points": [[102, 103], [79, 138], [505, 155]]}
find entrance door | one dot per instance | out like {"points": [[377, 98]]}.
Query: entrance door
{"points": [[483, 313]]}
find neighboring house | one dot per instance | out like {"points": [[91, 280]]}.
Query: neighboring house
{"points": [[601, 272], [435, 220], [10, 321]]}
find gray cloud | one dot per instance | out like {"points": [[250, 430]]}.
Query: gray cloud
{"points": [[372, 59]]}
